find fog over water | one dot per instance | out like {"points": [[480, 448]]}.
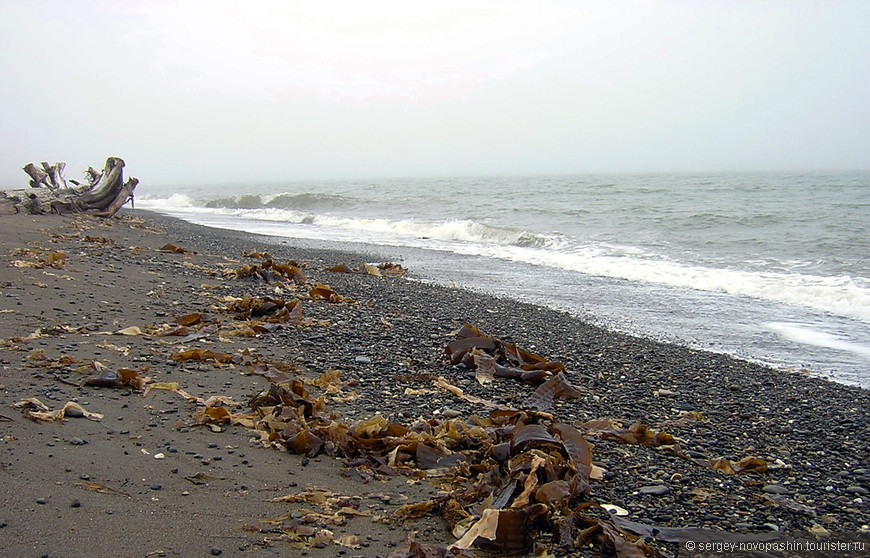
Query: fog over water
{"points": [[193, 92]]}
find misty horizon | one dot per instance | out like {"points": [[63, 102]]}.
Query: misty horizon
{"points": [[198, 92]]}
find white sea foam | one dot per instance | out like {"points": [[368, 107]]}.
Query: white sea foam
{"points": [[172, 203], [842, 295], [806, 333]]}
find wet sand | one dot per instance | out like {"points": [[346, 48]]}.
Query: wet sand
{"points": [[147, 480]]}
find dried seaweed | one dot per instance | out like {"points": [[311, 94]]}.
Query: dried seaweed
{"points": [[377, 270], [638, 433], [173, 249], [555, 387], [101, 488], [38, 411], [268, 271], [498, 358], [325, 292]]}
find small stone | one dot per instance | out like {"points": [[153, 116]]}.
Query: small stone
{"points": [[362, 360], [857, 490], [156, 487], [3, 523], [775, 489], [74, 413], [655, 490], [159, 456], [41, 501], [75, 503], [215, 551], [77, 441], [771, 526], [743, 525]]}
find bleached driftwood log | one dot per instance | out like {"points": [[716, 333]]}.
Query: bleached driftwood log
{"points": [[103, 195]]}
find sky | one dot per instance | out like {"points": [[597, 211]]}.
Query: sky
{"points": [[202, 91]]}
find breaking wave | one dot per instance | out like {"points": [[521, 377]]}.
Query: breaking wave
{"points": [[310, 216]]}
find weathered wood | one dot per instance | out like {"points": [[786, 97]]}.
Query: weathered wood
{"points": [[38, 177], [105, 192]]}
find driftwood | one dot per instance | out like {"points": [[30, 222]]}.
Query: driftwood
{"points": [[103, 194]]}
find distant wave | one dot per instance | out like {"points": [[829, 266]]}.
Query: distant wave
{"points": [[299, 209], [302, 201]]}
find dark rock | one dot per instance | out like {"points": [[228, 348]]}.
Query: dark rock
{"points": [[655, 490]]}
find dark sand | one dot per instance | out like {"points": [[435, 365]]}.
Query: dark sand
{"points": [[96, 488]]}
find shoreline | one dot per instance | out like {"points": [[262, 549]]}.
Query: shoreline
{"points": [[389, 346], [753, 329]]}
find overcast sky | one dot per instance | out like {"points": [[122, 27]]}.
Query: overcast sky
{"points": [[203, 91]]}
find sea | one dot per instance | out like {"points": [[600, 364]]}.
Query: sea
{"points": [[768, 267]]}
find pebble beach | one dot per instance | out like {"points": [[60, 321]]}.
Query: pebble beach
{"points": [[144, 467]]}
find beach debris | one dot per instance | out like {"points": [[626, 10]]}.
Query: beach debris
{"points": [[131, 331], [173, 249], [123, 377], [206, 355], [38, 411], [746, 465], [56, 259], [101, 488], [638, 433], [442, 383], [215, 413], [546, 394], [173, 387], [325, 292], [268, 271], [103, 194], [522, 463], [498, 358], [202, 478], [387, 269]]}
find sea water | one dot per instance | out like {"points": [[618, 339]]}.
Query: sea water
{"points": [[770, 267]]}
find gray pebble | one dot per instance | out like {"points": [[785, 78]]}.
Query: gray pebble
{"points": [[655, 490], [362, 360], [775, 489], [41, 501], [77, 441], [857, 490]]}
